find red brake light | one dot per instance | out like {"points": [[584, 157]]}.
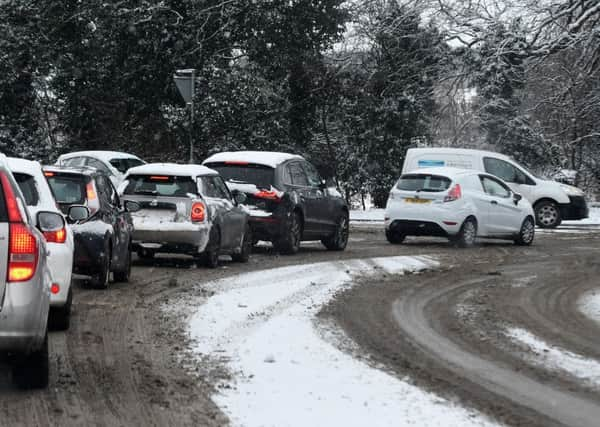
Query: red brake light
{"points": [[269, 195], [233, 162], [23, 250], [198, 212], [55, 288], [90, 191], [48, 173], [58, 236], [455, 193], [159, 178]]}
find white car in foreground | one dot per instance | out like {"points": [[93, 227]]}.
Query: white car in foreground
{"points": [[60, 244], [458, 204]]}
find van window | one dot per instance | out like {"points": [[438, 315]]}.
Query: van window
{"points": [[505, 171], [423, 182]]}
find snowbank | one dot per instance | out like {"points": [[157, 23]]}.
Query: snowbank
{"points": [[263, 324]]}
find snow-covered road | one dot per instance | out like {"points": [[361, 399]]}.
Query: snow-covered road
{"points": [[288, 370]]}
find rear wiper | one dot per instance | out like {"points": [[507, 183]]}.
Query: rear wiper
{"points": [[146, 192]]}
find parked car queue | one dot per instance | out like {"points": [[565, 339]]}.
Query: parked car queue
{"points": [[71, 219]]}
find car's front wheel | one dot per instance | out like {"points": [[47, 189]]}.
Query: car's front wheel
{"points": [[123, 274], [467, 234], [527, 233], [339, 239], [32, 370], [246, 248], [547, 214]]}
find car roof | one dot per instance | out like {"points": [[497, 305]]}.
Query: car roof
{"points": [[452, 150], [78, 170], [443, 171], [171, 169], [265, 158], [99, 154]]}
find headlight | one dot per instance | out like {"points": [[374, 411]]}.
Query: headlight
{"points": [[571, 191]]}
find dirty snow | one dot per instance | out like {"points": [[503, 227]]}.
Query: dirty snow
{"points": [[589, 304], [556, 358], [263, 324]]}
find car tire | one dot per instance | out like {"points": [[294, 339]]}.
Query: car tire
{"points": [[145, 254], [394, 237], [467, 235], [289, 243], [210, 257], [339, 239], [102, 278], [31, 371], [526, 233], [547, 214], [246, 248], [60, 317], [123, 275]]}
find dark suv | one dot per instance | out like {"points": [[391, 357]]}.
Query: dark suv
{"points": [[286, 199], [101, 225]]}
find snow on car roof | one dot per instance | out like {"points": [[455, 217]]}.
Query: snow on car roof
{"points": [[171, 169], [444, 171], [34, 169], [266, 158], [99, 154]]}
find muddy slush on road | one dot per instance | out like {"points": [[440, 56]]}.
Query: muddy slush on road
{"points": [[447, 329]]}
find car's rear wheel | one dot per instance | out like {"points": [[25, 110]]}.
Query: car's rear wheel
{"points": [[60, 317], [32, 370], [289, 243], [123, 275], [102, 278], [547, 214], [527, 233], [468, 234], [246, 247], [394, 237], [339, 239], [210, 257]]}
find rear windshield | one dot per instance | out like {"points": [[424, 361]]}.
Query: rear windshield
{"points": [[155, 185], [423, 182], [68, 189], [123, 165], [259, 175], [28, 188]]}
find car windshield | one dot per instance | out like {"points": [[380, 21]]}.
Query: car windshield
{"points": [[259, 175], [160, 185], [123, 165], [28, 188], [67, 188], [423, 182]]}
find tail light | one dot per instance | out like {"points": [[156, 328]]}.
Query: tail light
{"points": [[93, 203], [198, 213], [269, 195], [455, 193], [58, 236], [23, 250]]}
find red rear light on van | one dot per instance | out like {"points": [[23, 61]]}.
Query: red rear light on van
{"points": [[198, 213], [269, 195], [58, 236], [455, 193]]}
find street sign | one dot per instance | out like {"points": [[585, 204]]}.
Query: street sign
{"points": [[184, 79]]}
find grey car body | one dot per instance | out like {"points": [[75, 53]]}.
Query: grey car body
{"points": [[24, 287], [184, 209]]}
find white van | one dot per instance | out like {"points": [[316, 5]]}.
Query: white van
{"points": [[552, 201]]}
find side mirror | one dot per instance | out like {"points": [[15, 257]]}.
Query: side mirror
{"points": [[517, 198], [238, 196], [131, 206], [78, 213], [50, 221], [323, 184]]}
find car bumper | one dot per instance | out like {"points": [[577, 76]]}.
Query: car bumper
{"points": [[60, 263], [577, 208], [24, 316], [436, 220], [173, 238]]}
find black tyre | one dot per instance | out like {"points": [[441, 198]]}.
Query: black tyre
{"points": [[145, 254], [289, 243], [527, 233], [32, 370], [246, 248], [339, 239], [394, 237], [60, 317], [102, 278], [210, 257], [123, 275], [547, 214], [468, 234]]}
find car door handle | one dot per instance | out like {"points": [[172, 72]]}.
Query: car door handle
{"points": [[493, 202]]}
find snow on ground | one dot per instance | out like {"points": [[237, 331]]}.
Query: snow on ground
{"points": [[556, 358], [263, 323], [589, 304]]}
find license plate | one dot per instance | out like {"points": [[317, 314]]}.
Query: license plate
{"points": [[414, 200]]}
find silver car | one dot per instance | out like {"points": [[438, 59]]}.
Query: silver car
{"points": [[25, 283], [186, 209]]}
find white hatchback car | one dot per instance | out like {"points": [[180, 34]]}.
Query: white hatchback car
{"points": [[60, 243], [458, 204]]}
